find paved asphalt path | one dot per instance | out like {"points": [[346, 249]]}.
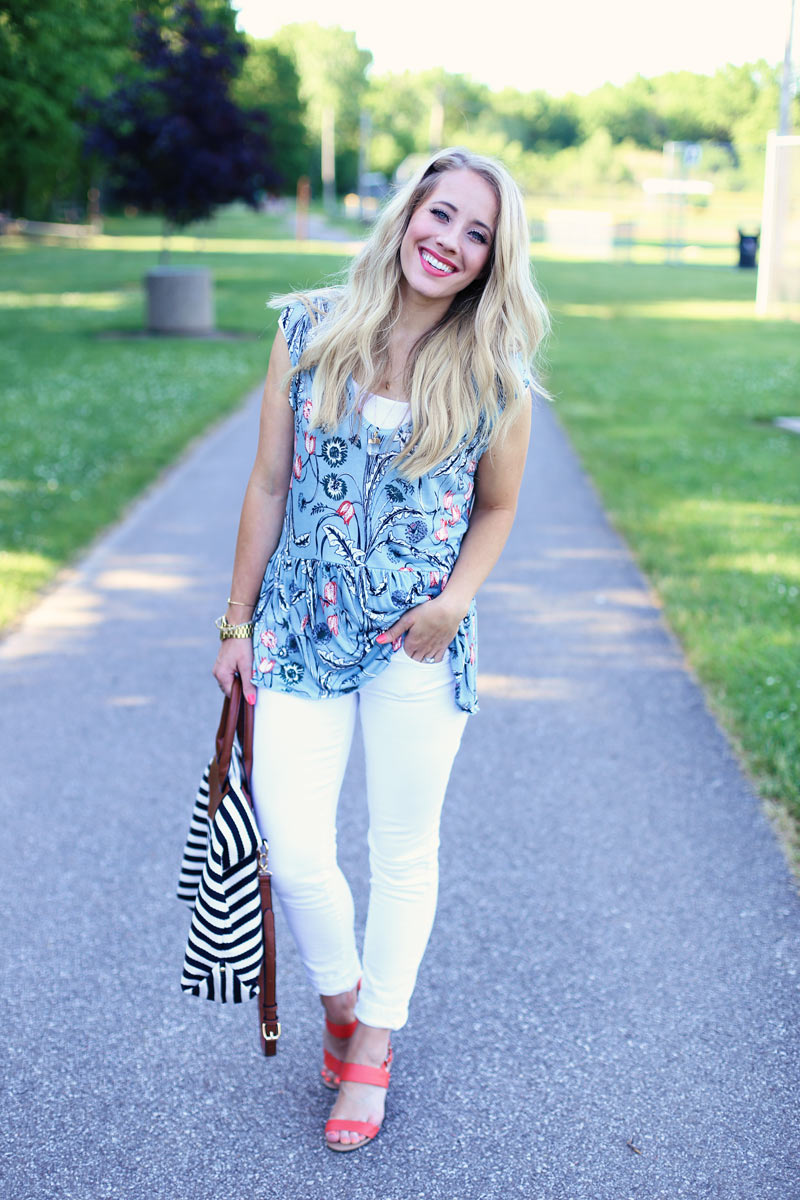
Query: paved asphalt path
{"points": [[609, 1005]]}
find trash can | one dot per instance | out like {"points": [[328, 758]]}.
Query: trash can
{"points": [[748, 249], [180, 300]]}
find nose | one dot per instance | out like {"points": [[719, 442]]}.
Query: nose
{"points": [[447, 238]]}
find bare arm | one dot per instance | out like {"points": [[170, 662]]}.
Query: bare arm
{"points": [[430, 627], [262, 517]]}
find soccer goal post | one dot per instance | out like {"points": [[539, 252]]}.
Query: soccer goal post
{"points": [[778, 288]]}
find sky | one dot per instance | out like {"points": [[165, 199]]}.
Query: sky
{"points": [[560, 46]]}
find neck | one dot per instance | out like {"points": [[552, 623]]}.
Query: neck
{"points": [[419, 314]]}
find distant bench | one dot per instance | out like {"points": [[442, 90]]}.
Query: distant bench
{"points": [[21, 227], [580, 231]]}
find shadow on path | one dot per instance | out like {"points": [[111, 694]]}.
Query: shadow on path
{"points": [[614, 964]]}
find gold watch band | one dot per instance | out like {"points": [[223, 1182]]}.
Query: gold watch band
{"points": [[226, 630]]}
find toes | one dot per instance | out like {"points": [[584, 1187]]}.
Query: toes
{"points": [[345, 1136]]}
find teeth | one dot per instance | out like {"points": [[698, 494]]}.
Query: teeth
{"points": [[434, 262]]}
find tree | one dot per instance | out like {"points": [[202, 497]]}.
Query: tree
{"points": [[684, 102], [269, 82], [628, 113], [410, 111], [49, 51], [400, 110], [537, 121], [332, 70], [172, 139]]}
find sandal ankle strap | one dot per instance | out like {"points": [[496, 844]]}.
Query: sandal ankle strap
{"points": [[341, 1031]]}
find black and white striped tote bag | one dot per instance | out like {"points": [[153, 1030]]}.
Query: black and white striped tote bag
{"points": [[219, 878]]}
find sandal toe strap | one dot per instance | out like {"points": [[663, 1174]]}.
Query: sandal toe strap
{"points": [[366, 1128]]}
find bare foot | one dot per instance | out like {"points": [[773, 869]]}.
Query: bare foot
{"points": [[339, 1010], [368, 1047]]}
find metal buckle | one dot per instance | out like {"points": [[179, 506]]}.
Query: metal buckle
{"points": [[270, 1037], [263, 858]]}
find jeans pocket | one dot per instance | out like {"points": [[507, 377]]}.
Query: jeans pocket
{"points": [[416, 662]]}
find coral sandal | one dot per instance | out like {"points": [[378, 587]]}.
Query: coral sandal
{"points": [[356, 1073], [332, 1063]]}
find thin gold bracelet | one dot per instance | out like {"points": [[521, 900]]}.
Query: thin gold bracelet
{"points": [[240, 603]]}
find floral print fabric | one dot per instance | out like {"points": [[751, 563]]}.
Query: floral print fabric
{"points": [[360, 545]]}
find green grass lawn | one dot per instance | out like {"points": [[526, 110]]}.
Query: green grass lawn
{"points": [[236, 221], [664, 378], [668, 386], [86, 422]]}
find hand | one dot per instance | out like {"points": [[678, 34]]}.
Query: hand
{"points": [[427, 629], [235, 654]]}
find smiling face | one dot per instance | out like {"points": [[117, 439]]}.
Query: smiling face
{"points": [[449, 238]]}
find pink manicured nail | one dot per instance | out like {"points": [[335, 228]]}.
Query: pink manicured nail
{"points": [[250, 699], [381, 637]]}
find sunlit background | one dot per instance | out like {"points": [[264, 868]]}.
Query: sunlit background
{"points": [[572, 46]]}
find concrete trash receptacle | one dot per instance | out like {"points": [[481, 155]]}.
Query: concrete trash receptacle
{"points": [[179, 300]]}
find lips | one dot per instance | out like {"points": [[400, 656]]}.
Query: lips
{"points": [[434, 264]]}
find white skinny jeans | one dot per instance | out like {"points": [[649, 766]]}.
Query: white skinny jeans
{"points": [[411, 729]]}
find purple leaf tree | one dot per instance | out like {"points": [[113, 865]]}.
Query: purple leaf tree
{"points": [[170, 137]]}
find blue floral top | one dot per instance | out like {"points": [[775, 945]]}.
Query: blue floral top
{"points": [[360, 545]]}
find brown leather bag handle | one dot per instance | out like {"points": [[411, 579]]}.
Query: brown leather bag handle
{"points": [[269, 1025], [236, 715]]}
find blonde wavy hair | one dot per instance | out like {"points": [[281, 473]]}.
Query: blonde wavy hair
{"points": [[465, 373]]}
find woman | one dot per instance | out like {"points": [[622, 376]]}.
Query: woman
{"points": [[394, 430]]}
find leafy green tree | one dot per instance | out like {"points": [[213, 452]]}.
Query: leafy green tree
{"points": [[50, 51], [629, 113], [269, 82], [683, 101], [411, 111], [537, 121], [332, 70], [462, 99], [400, 110]]}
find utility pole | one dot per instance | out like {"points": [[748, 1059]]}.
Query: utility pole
{"points": [[364, 131], [773, 270], [328, 158], [436, 125], [787, 83]]}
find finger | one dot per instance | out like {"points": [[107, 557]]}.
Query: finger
{"points": [[397, 630], [420, 655], [244, 666], [236, 660], [224, 678]]}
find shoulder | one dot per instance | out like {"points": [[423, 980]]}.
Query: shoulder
{"points": [[303, 313]]}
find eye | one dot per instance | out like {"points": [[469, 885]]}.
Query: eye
{"points": [[477, 236], [439, 212]]}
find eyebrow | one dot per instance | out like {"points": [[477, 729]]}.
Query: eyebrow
{"points": [[455, 209]]}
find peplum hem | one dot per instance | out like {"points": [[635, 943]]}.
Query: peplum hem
{"points": [[317, 621]]}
